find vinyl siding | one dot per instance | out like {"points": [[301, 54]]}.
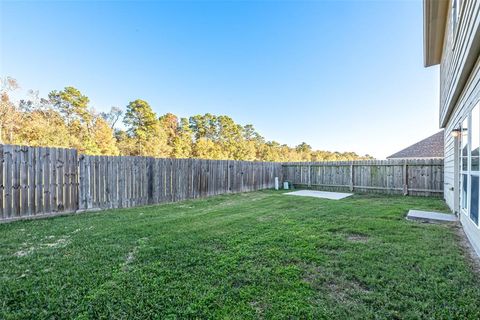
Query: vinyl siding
{"points": [[459, 93], [460, 52], [469, 97]]}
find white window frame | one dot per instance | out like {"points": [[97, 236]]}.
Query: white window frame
{"points": [[469, 172], [465, 210]]}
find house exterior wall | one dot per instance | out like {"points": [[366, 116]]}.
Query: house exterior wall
{"points": [[460, 53], [460, 59], [469, 98]]}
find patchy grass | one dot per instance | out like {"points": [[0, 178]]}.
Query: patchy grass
{"points": [[252, 255]]}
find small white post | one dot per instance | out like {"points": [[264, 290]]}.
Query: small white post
{"points": [[276, 183]]}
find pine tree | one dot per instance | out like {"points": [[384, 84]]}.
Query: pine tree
{"points": [[72, 105], [144, 128], [182, 143]]}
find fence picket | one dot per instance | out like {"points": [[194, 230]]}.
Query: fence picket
{"points": [[413, 176], [36, 180], [16, 181]]}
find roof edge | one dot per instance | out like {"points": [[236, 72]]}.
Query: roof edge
{"points": [[434, 24], [431, 147]]}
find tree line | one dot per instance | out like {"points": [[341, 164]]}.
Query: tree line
{"points": [[65, 119]]}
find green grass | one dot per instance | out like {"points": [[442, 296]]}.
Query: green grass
{"points": [[252, 255]]}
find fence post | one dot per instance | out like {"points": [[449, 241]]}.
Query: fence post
{"points": [[229, 186], [81, 183], [150, 179], [309, 175], [351, 177], [405, 178]]}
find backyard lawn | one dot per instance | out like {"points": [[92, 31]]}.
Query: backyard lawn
{"points": [[250, 255]]}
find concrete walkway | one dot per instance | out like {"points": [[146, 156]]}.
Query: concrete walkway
{"points": [[429, 216], [320, 194]]}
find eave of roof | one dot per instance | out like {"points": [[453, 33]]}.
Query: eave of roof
{"points": [[434, 23]]}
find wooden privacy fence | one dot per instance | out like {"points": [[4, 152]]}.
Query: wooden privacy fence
{"points": [[40, 181], [37, 181], [422, 177], [120, 182]]}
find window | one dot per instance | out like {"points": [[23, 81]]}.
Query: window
{"points": [[464, 164], [475, 138], [464, 191], [474, 200], [474, 167], [470, 165]]}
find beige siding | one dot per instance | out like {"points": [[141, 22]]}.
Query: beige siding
{"points": [[461, 48], [459, 93], [469, 97]]}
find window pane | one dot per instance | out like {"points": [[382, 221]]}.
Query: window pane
{"points": [[475, 137], [464, 138], [464, 163], [474, 162], [464, 191], [474, 199]]}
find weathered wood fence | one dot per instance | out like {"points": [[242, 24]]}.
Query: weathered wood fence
{"points": [[120, 182], [421, 177], [43, 181], [36, 181]]}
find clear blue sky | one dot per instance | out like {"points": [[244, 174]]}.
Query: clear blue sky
{"points": [[341, 76]]}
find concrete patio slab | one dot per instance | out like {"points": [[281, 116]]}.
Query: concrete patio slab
{"points": [[320, 194], [430, 216]]}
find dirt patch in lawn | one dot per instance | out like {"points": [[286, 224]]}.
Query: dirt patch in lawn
{"points": [[129, 259], [131, 256], [312, 274], [344, 290], [265, 218], [339, 288], [28, 248], [259, 308], [357, 238]]}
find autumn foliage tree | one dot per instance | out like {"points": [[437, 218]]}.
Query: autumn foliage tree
{"points": [[66, 119], [144, 129], [10, 118]]}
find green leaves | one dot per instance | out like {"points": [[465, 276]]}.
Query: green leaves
{"points": [[66, 119], [148, 137], [72, 105]]}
